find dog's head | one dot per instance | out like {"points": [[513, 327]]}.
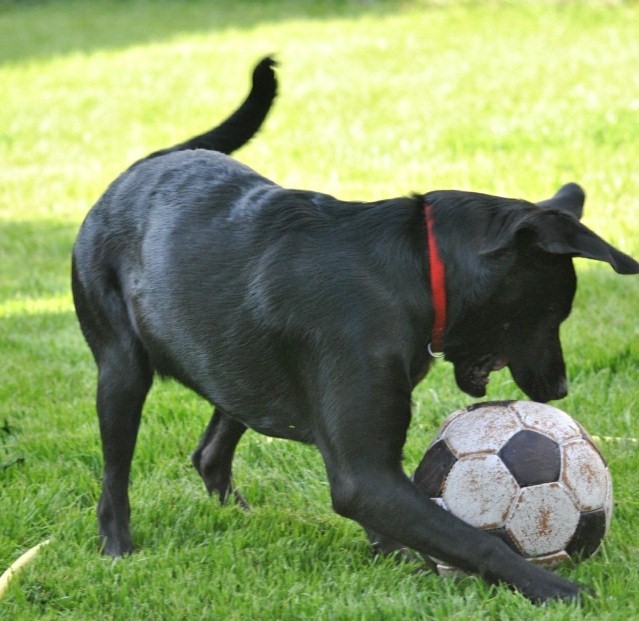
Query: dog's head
{"points": [[511, 283]]}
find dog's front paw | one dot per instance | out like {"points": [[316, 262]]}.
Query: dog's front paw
{"points": [[554, 587]]}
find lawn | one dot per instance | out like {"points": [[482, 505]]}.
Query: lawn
{"points": [[377, 99]]}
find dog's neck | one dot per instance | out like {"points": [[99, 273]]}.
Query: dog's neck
{"points": [[437, 286]]}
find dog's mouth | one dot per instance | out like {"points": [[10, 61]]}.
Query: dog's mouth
{"points": [[473, 378]]}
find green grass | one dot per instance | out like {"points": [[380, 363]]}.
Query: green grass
{"points": [[377, 99]]}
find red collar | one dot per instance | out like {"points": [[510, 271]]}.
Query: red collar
{"points": [[437, 287]]}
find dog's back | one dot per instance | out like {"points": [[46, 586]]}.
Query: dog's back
{"points": [[103, 231]]}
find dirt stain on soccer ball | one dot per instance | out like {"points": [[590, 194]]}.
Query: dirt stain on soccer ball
{"points": [[544, 523]]}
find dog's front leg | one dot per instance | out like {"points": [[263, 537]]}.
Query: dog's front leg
{"points": [[361, 446]]}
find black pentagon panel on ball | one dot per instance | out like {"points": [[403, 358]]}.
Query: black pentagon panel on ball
{"points": [[434, 468], [532, 458], [588, 534]]}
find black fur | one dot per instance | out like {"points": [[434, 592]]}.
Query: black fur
{"points": [[305, 317], [240, 127]]}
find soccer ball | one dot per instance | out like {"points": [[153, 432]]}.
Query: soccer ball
{"points": [[525, 472]]}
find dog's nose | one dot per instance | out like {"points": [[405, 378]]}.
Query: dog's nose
{"points": [[549, 392], [562, 389]]}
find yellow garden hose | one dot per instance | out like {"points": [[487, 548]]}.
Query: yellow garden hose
{"points": [[18, 565]]}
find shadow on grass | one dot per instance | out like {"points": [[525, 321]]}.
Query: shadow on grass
{"points": [[53, 28]]}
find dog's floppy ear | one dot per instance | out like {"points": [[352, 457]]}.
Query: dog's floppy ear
{"points": [[560, 233], [569, 199]]}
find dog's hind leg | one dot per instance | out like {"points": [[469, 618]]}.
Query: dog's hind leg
{"points": [[124, 379], [213, 456], [384, 546]]}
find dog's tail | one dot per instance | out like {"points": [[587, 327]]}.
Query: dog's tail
{"points": [[242, 125]]}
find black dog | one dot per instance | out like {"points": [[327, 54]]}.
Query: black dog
{"points": [[305, 317]]}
